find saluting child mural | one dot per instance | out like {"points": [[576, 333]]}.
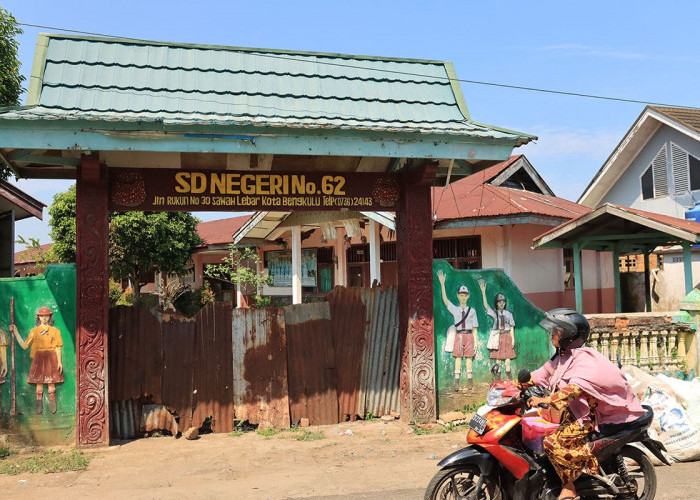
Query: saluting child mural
{"points": [[501, 340], [47, 367], [462, 334]]}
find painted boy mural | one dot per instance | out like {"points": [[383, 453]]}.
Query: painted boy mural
{"points": [[501, 341], [47, 367], [3, 362], [466, 325]]}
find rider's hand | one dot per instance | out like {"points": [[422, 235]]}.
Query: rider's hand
{"points": [[535, 401]]}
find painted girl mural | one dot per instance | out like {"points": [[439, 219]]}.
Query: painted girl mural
{"points": [[465, 326], [47, 367], [501, 341]]}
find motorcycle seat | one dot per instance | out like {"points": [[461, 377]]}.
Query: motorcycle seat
{"points": [[609, 429]]}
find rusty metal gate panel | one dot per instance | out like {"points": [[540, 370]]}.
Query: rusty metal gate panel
{"points": [[178, 368], [212, 395], [382, 360], [260, 367], [312, 370], [135, 354], [351, 313]]}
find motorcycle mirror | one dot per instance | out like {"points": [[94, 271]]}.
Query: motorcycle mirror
{"points": [[524, 376]]}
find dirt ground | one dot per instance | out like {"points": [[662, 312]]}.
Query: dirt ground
{"points": [[371, 459]]}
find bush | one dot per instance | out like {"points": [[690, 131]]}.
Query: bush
{"points": [[115, 292], [191, 301]]}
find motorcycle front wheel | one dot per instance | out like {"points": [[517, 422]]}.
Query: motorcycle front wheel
{"points": [[462, 482]]}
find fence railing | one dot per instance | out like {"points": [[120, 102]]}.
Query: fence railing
{"points": [[656, 343]]}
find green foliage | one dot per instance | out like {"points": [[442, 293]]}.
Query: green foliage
{"points": [[45, 461], [139, 242], [261, 302], [307, 435], [240, 268], [236, 433], [5, 452], [269, 432], [62, 223], [191, 301], [115, 292], [472, 406], [143, 242], [370, 416], [10, 77], [420, 430]]}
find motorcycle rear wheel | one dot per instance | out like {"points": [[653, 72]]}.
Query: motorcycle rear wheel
{"points": [[457, 483], [640, 471]]}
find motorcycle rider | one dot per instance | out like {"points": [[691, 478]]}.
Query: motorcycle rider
{"points": [[586, 390]]}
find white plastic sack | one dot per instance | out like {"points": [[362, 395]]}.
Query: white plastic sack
{"points": [[671, 422], [688, 394]]}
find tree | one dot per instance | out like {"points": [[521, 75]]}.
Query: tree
{"points": [[62, 222], [33, 251], [140, 243], [238, 268], [10, 78]]}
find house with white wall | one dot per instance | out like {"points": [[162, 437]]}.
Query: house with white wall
{"points": [[656, 168]]}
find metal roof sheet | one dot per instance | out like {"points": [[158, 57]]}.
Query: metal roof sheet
{"points": [[127, 80]]}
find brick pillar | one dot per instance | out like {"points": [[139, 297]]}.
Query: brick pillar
{"points": [[92, 265], [414, 254]]}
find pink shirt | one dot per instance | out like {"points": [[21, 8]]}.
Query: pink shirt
{"points": [[596, 376]]}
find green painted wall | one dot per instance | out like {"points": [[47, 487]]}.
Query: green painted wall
{"points": [[532, 345], [56, 290]]}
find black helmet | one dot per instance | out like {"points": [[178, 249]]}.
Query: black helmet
{"points": [[574, 325]]}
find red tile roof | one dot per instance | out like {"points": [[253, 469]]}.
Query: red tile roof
{"points": [[470, 197], [29, 255], [220, 231]]}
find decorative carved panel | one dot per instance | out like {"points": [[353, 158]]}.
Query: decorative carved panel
{"points": [[414, 254], [92, 267]]}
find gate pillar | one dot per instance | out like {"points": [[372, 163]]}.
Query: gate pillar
{"points": [[414, 254], [92, 283]]}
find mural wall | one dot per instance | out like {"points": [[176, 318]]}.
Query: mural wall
{"points": [[485, 329], [37, 315]]}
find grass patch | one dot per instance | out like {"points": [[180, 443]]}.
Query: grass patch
{"points": [[306, 435], [269, 432], [236, 433], [5, 452], [421, 431], [45, 461]]}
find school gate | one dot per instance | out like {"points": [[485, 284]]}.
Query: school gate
{"points": [[165, 126]]}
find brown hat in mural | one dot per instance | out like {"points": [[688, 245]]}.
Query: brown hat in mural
{"points": [[44, 311]]}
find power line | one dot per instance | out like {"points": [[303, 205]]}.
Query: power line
{"points": [[461, 80]]}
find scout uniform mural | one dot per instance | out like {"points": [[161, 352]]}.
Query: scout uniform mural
{"points": [[501, 340], [38, 316], [47, 367], [461, 336], [499, 336]]}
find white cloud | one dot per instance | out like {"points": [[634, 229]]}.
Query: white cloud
{"points": [[580, 50]]}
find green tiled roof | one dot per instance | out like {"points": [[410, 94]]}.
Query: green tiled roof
{"points": [[110, 79]]}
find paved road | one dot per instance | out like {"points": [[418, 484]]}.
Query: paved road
{"points": [[680, 481]]}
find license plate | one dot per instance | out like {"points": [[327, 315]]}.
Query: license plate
{"points": [[478, 424]]}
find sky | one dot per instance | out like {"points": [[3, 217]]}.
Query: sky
{"points": [[636, 50]]}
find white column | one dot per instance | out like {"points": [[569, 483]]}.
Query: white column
{"points": [[375, 272], [341, 267], [296, 264], [239, 292]]}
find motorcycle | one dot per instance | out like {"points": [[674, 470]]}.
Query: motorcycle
{"points": [[504, 459]]}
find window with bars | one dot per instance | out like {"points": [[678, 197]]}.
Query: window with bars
{"points": [[462, 253], [654, 180], [360, 253]]}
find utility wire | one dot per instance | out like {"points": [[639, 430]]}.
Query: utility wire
{"points": [[461, 80]]}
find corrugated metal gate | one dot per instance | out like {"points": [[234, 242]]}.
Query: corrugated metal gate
{"points": [[268, 366]]}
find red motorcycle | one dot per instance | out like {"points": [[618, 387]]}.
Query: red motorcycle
{"points": [[504, 459]]}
